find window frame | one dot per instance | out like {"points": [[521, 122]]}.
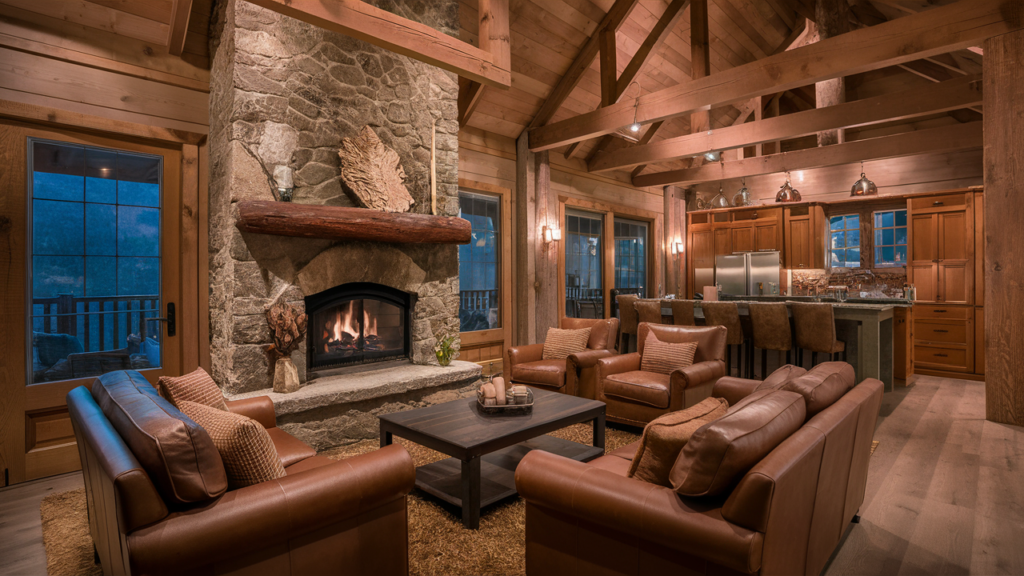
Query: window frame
{"points": [[860, 244], [894, 228], [866, 211]]}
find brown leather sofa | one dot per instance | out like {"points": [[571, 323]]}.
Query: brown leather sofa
{"points": [[576, 375], [635, 397], [786, 515], [324, 517]]}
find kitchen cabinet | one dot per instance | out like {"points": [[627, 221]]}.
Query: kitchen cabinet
{"points": [[804, 237], [902, 343], [944, 338]]}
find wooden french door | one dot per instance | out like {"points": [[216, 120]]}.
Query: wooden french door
{"points": [[90, 258]]}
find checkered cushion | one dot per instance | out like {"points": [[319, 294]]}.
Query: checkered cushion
{"points": [[245, 446], [195, 387]]}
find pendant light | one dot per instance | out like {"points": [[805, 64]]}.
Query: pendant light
{"points": [[742, 198], [719, 201], [863, 187], [787, 193]]}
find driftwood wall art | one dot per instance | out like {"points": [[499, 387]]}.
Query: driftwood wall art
{"points": [[373, 172], [287, 327]]}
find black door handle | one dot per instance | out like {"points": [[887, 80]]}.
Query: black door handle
{"points": [[172, 325]]}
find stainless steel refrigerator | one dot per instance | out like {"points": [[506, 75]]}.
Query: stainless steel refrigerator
{"points": [[740, 273]]}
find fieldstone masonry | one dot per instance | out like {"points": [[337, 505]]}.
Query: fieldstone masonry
{"points": [[285, 93]]}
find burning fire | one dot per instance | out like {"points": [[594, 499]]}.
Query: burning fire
{"points": [[342, 328]]}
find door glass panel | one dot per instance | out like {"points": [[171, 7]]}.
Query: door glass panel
{"points": [[584, 296], [95, 260], [631, 257], [480, 263]]}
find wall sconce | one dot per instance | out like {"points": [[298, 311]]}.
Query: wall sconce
{"points": [[283, 177], [552, 234], [677, 248]]}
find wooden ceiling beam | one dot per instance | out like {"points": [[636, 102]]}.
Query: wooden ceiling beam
{"points": [[494, 38], [611, 21], [951, 27], [178, 29], [469, 98], [952, 95], [935, 140], [401, 35]]}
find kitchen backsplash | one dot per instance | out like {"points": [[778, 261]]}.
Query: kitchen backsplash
{"points": [[873, 284]]}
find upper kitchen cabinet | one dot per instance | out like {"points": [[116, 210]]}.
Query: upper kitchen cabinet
{"points": [[804, 234], [941, 259]]}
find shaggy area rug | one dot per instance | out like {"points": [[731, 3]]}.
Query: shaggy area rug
{"points": [[438, 543]]}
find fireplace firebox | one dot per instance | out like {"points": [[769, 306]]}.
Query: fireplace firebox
{"points": [[358, 323]]}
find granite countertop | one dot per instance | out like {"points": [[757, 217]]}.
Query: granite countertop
{"points": [[849, 303]]}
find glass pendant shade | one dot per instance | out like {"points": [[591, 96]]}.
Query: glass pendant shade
{"points": [[742, 198], [863, 187], [787, 194], [719, 201]]}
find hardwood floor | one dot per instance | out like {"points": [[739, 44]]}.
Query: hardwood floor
{"points": [[944, 493]]}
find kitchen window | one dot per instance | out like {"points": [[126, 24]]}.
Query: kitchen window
{"points": [[890, 238], [844, 241]]}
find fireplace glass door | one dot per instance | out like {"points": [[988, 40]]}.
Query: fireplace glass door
{"points": [[355, 324]]}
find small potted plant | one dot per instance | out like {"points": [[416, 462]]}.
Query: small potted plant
{"points": [[446, 350]]}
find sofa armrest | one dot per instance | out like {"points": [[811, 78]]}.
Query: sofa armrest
{"points": [[638, 509], [588, 358], [271, 513], [734, 389], [259, 408], [698, 374], [617, 364], [521, 355]]}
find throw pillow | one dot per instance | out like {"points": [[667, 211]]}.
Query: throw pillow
{"points": [[720, 453], [665, 357], [195, 387], [665, 436], [560, 343], [245, 446]]}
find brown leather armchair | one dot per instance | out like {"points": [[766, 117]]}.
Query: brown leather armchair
{"points": [[324, 517], [576, 375], [635, 397], [785, 516]]}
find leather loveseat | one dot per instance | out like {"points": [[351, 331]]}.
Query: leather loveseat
{"points": [[576, 375], [786, 515], [158, 500], [635, 397]]}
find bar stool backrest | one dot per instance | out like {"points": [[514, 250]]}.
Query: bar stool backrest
{"points": [[682, 312], [649, 311], [815, 326], [770, 323], [724, 314]]}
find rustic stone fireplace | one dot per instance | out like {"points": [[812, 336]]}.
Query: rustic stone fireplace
{"points": [[285, 94]]}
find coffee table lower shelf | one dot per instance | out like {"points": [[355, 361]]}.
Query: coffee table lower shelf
{"points": [[444, 479]]}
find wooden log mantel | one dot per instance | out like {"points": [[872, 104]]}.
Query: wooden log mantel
{"points": [[338, 223]]}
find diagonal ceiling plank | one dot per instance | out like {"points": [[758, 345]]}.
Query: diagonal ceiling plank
{"points": [[611, 21], [913, 103], [951, 27], [935, 140], [178, 28]]}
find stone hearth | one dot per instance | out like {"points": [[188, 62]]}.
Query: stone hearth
{"points": [[285, 93]]}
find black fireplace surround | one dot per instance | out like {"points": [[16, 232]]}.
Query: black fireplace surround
{"points": [[358, 323]]}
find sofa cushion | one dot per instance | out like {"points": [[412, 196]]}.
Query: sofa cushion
{"points": [[244, 445], [823, 385], [541, 372], [289, 448], [177, 453], [560, 343], [721, 452], [195, 387], [666, 357], [648, 388], [665, 437], [781, 376]]}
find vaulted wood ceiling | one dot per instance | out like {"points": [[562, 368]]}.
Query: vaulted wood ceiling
{"points": [[547, 35]]}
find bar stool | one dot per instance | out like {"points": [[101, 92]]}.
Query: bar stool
{"points": [[772, 331], [682, 312], [815, 327], [627, 320], [649, 311], [728, 314]]}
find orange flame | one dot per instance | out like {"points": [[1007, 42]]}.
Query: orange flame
{"points": [[344, 323], [369, 324]]}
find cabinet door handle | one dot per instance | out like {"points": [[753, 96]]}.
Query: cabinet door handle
{"points": [[937, 203], [941, 355], [940, 311], [941, 331]]}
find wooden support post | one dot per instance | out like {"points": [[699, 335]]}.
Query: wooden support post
{"points": [[1004, 211], [675, 223], [526, 237], [700, 58], [546, 284], [833, 19], [758, 116]]}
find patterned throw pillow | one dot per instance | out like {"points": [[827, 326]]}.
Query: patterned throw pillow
{"points": [[665, 436], [245, 446], [664, 357], [560, 343], [196, 387]]}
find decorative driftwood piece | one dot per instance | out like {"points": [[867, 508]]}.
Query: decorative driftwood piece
{"points": [[339, 223], [287, 327], [374, 173]]}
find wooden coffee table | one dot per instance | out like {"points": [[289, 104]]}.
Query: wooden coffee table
{"points": [[486, 448]]}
